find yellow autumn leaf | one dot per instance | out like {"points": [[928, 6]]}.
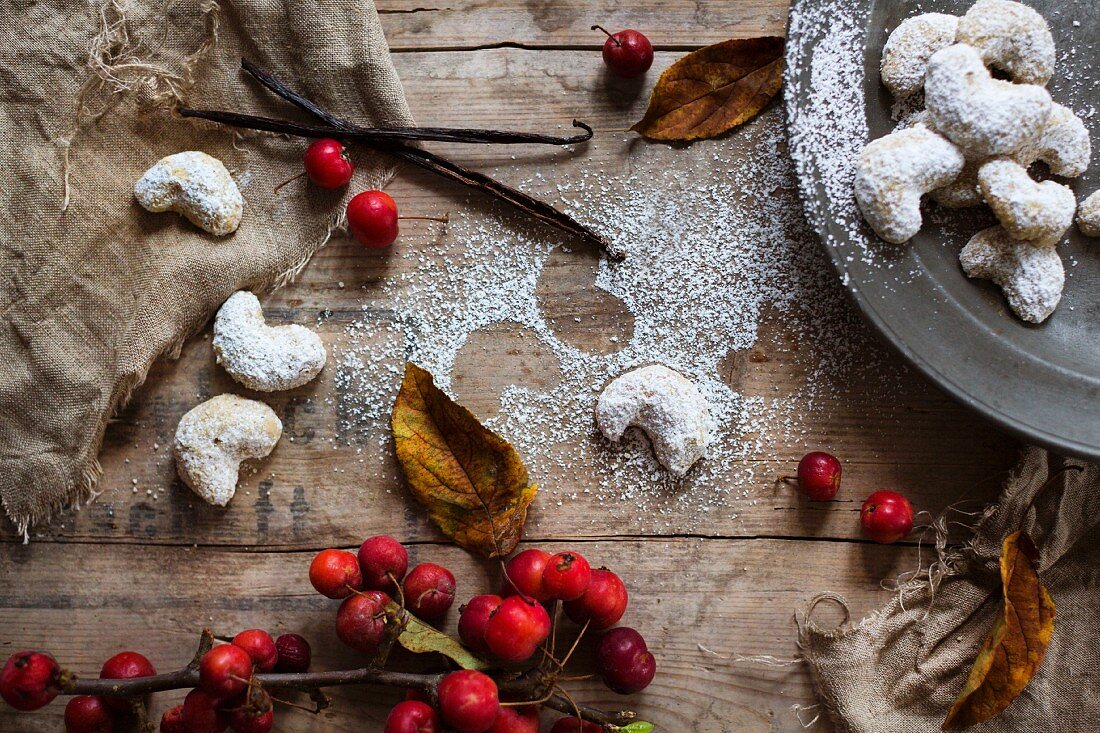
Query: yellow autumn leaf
{"points": [[471, 480], [1015, 647]]}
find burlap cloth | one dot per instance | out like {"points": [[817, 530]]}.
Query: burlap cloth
{"points": [[94, 288], [900, 669]]}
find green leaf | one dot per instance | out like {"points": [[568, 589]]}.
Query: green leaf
{"points": [[638, 726], [420, 638]]}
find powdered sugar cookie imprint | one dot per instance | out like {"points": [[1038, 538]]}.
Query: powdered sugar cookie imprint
{"points": [[261, 357]]}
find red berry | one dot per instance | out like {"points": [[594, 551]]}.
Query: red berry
{"points": [[29, 680], [260, 646], [624, 662], [250, 714], [603, 604], [379, 558], [575, 725], [201, 713], [224, 671], [125, 666], [294, 653], [886, 517], [517, 720], [361, 620], [372, 217], [516, 628], [327, 163], [335, 574], [429, 591], [473, 618], [523, 575], [468, 701], [88, 714], [412, 716], [627, 53], [819, 476], [172, 721], [566, 576]]}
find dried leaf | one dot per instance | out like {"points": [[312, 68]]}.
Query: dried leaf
{"points": [[471, 480], [1016, 645], [420, 638], [714, 89]]}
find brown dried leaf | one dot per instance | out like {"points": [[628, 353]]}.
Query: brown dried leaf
{"points": [[1015, 647], [471, 480], [714, 89]]}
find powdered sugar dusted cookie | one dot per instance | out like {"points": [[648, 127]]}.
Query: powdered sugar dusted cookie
{"points": [[1088, 216], [982, 115], [1030, 277], [1027, 209], [262, 357], [1011, 37], [907, 50], [892, 174], [1063, 144], [196, 186], [663, 403], [213, 438]]}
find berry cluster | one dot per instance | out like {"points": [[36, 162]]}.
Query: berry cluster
{"points": [[510, 626], [886, 516]]}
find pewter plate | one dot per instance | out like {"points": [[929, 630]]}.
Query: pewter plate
{"points": [[1042, 382]]}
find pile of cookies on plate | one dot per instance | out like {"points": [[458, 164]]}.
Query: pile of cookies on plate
{"points": [[974, 142]]}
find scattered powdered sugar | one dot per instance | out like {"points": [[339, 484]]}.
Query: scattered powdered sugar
{"points": [[666, 406], [719, 253], [263, 357]]}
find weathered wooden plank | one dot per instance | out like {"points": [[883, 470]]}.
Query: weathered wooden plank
{"points": [[731, 597], [416, 25]]}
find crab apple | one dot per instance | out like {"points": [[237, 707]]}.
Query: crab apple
{"points": [[566, 576], [517, 720], [125, 666], [624, 661], [201, 713], [361, 620], [603, 604], [294, 653], [429, 590], [29, 680], [412, 716], [379, 558], [88, 714], [327, 164], [335, 574], [172, 721], [523, 575], [886, 517], [260, 646], [627, 53], [516, 628], [473, 617], [372, 218], [468, 701], [819, 476], [224, 671], [250, 713], [575, 725]]}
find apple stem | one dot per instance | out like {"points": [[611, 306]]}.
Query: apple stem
{"points": [[289, 180], [609, 34]]}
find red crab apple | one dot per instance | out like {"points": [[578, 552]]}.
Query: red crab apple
{"points": [[381, 557], [372, 218], [473, 619], [29, 680], [412, 716], [516, 628], [224, 671], [523, 719], [886, 517], [260, 646], [327, 164], [429, 591], [201, 713], [125, 666], [523, 575], [172, 721], [627, 53], [335, 574], [468, 701], [294, 653], [361, 620], [88, 714], [566, 576], [603, 604], [819, 476], [624, 662]]}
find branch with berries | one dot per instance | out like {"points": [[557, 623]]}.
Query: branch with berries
{"points": [[236, 685]]}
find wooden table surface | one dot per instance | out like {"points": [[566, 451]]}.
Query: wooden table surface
{"points": [[148, 565]]}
